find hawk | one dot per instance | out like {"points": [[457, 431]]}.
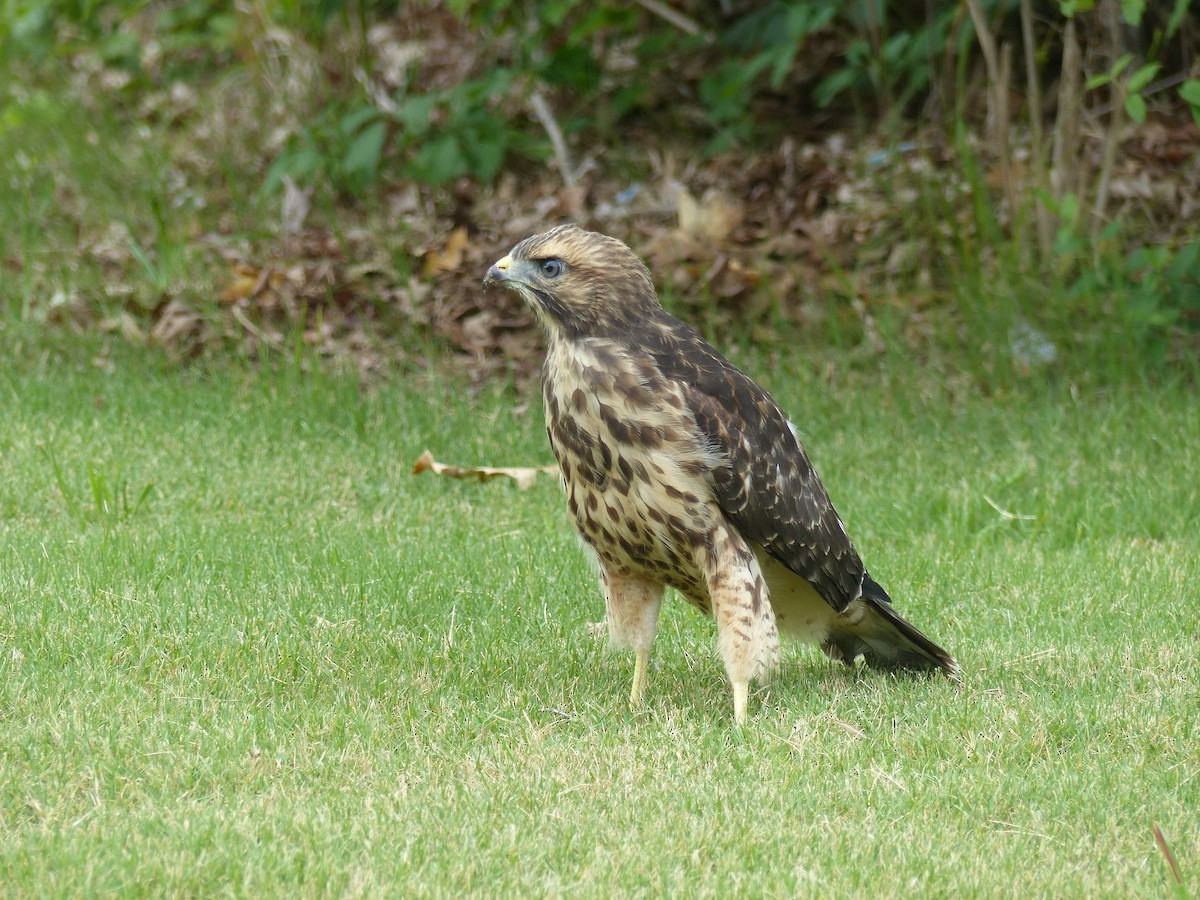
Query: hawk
{"points": [[680, 471]]}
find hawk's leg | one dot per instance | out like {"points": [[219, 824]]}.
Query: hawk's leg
{"points": [[746, 634], [632, 605]]}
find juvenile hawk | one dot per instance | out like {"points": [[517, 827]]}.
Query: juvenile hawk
{"points": [[679, 470]]}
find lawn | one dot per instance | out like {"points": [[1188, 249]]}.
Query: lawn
{"points": [[243, 651]]}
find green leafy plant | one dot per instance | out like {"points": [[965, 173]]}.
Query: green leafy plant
{"points": [[887, 57], [888, 53], [1148, 289], [1190, 92], [447, 134], [432, 137], [186, 35], [343, 148], [760, 49], [1130, 89]]}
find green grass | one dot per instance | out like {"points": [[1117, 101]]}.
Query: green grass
{"points": [[292, 668]]}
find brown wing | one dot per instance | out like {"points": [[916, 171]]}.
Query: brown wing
{"points": [[767, 486]]}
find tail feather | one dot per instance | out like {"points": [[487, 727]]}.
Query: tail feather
{"points": [[871, 628]]}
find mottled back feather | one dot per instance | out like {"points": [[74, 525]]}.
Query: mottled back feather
{"points": [[767, 486]]}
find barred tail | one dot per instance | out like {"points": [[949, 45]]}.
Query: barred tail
{"points": [[872, 629]]}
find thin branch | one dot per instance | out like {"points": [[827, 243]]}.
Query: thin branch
{"points": [[1112, 134], [875, 36], [997, 65], [678, 19], [1004, 129], [987, 43], [541, 109], [1041, 214], [1066, 164]]}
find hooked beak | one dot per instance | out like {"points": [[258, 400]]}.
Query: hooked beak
{"points": [[498, 273]]}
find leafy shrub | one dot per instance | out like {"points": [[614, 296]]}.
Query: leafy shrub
{"points": [[432, 138], [200, 28], [1145, 292], [891, 59]]}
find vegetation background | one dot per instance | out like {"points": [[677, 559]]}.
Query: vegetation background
{"points": [[1008, 188], [241, 246]]}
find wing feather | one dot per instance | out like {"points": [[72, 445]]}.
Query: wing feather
{"points": [[766, 486]]}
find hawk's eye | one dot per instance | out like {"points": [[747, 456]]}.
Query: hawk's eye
{"points": [[552, 268]]}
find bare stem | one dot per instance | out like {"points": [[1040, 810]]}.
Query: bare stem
{"points": [[542, 110], [676, 18], [1041, 214], [1066, 163], [1112, 132], [997, 70]]}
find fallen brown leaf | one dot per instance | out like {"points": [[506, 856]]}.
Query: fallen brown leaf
{"points": [[450, 256], [178, 328], [247, 282], [523, 476], [712, 218]]}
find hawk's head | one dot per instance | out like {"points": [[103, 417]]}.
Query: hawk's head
{"points": [[577, 282]]}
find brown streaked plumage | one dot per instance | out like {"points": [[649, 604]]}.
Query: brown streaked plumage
{"points": [[679, 470]]}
